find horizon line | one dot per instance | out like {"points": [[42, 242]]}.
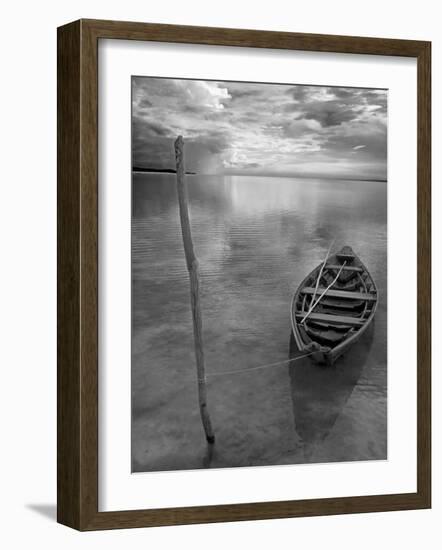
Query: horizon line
{"points": [[263, 175]]}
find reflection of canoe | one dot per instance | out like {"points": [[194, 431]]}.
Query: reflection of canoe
{"points": [[320, 395], [341, 315]]}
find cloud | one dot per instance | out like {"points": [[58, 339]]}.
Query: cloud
{"points": [[334, 106], [249, 127], [192, 95], [329, 113], [302, 94], [301, 126], [342, 93]]}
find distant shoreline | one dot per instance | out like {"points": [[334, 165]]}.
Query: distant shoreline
{"points": [[158, 170], [296, 176]]}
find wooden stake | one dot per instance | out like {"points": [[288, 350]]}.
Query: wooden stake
{"points": [[193, 269]]}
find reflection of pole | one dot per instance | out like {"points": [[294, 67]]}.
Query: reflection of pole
{"points": [[192, 268]]}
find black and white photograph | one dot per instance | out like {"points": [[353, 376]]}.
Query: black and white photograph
{"points": [[220, 232], [259, 274]]}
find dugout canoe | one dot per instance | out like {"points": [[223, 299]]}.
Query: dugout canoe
{"points": [[330, 316]]}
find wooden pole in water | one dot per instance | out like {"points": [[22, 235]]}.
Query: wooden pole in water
{"points": [[193, 269]]}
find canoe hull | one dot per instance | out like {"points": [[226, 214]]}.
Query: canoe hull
{"points": [[331, 321]]}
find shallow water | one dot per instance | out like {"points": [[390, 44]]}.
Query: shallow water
{"points": [[256, 238]]}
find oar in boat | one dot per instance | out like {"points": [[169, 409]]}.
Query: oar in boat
{"points": [[321, 270], [320, 273], [312, 307]]}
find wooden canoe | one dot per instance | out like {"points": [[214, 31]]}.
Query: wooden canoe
{"points": [[343, 313]]}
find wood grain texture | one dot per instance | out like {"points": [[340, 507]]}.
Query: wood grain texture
{"points": [[194, 277], [424, 275], [77, 222], [77, 277], [252, 38], [68, 276]]}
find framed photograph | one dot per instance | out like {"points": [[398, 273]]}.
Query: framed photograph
{"points": [[243, 274]]}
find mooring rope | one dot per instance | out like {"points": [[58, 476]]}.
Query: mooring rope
{"points": [[242, 371]]}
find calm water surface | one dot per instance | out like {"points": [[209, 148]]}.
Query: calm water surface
{"points": [[256, 238]]}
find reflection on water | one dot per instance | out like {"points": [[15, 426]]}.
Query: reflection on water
{"points": [[256, 238], [320, 394]]}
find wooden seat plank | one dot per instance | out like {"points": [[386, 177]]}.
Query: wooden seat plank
{"points": [[345, 268], [340, 294], [332, 319]]}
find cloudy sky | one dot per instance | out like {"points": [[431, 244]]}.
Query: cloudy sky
{"points": [[248, 128]]}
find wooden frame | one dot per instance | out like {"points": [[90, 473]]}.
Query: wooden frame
{"points": [[77, 459]]}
